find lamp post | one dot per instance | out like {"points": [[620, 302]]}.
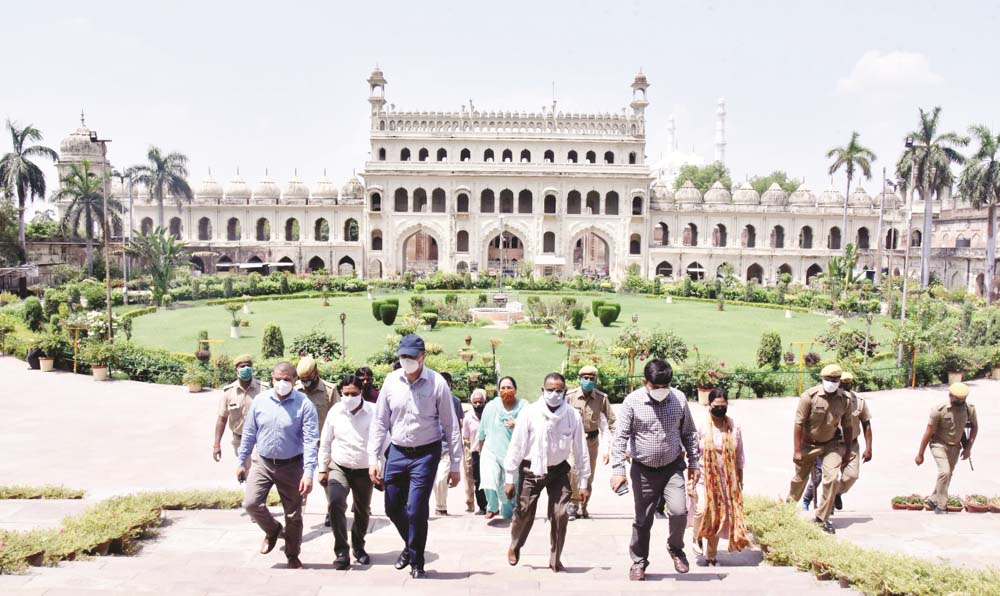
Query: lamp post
{"points": [[343, 334], [124, 177], [104, 216]]}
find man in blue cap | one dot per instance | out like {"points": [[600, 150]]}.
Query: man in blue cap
{"points": [[415, 411]]}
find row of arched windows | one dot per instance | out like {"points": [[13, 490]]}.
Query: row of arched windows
{"points": [[748, 237], [506, 156], [560, 126], [506, 202], [262, 231], [754, 272]]}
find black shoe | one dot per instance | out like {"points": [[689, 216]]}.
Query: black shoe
{"points": [[418, 573], [571, 512], [481, 512], [939, 511], [825, 526], [342, 562], [404, 560], [327, 521], [838, 503], [362, 557]]}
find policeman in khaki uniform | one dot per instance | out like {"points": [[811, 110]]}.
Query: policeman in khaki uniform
{"points": [[945, 433], [591, 403], [235, 403], [823, 426], [321, 393], [860, 424]]}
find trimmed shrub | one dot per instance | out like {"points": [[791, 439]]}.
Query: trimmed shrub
{"points": [[283, 285], [568, 301], [420, 288], [430, 319], [481, 300], [450, 299], [769, 351], [576, 317], [595, 306], [392, 301], [317, 344], [272, 345], [388, 313], [227, 287], [607, 315], [377, 309], [617, 308], [417, 304], [33, 314]]}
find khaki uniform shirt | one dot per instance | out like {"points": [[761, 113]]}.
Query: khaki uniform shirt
{"points": [[822, 415], [859, 413], [235, 402], [323, 396], [949, 422], [591, 408]]}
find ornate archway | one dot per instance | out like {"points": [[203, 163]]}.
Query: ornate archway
{"points": [[420, 252], [591, 254]]}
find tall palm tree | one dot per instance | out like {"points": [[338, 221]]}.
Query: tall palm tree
{"points": [[980, 184], [85, 211], [22, 176], [159, 254], [163, 175], [927, 162], [850, 157]]}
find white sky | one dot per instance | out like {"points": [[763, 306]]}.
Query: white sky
{"points": [[282, 85]]}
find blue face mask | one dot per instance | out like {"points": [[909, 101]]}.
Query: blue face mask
{"points": [[245, 373], [587, 385]]}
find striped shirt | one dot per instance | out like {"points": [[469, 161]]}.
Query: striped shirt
{"points": [[656, 433]]}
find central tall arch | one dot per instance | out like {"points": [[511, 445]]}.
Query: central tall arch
{"points": [[420, 252], [592, 253]]}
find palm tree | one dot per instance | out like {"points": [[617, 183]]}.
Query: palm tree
{"points": [[851, 156], [163, 175], [980, 184], [85, 212], [159, 253], [21, 176], [927, 162]]}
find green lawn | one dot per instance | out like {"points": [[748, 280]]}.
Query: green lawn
{"points": [[527, 354]]}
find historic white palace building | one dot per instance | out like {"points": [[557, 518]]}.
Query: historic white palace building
{"points": [[554, 192]]}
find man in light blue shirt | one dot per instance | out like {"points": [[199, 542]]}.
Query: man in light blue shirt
{"points": [[415, 410], [283, 425]]}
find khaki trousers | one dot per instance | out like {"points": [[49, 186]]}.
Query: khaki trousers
{"points": [[556, 483], [441, 483], [946, 458], [853, 470], [712, 542], [470, 482], [578, 500], [286, 477], [831, 454]]}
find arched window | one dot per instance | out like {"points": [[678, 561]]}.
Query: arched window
{"points": [[175, 227], [691, 235], [525, 156], [892, 239], [438, 201], [719, 236], [401, 201], [591, 157], [462, 241], [507, 156], [609, 157], [549, 156], [833, 241], [404, 154], [423, 154], [381, 157], [571, 157], [263, 229], [376, 240], [749, 237], [233, 229], [695, 271], [465, 155], [487, 201], [549, 243], [915, 238], [594, 202], [316, 264], [345, 266], [755, 273], [573, 202], [419, 200], [778, 237], [321, 230], [631, 158], [524, 201], [442, 154], [381, 125], [806, 237], [292, 229], [665, 269], [204, 229], [864, 239], [636, 205], [635, 244], [506, 201], [351, 230], [146, 225], [488, 155], [463, 203], [376, 201], [611, 203], [785, 269], [661, 234], [550, 204], [812, 272]]}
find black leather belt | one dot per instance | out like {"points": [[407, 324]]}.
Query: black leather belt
{"points": [[275, 461], [418, 450], [593, 434]]}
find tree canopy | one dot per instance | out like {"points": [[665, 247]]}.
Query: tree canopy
{"points": [[762, 183], [704, 177]]}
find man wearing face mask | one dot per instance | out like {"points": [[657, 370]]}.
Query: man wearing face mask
{"points": [[235, 403], [416, 412], [470, 430], [591, 403], [282, 424], [539, 450], [823, 428], [945, 433], [656, 423], [321, 393]]}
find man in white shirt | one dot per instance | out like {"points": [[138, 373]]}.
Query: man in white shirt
{"points": [[539, 448], [343, 458]]}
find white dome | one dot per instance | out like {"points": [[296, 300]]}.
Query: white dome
{"points": [[891, 201], [324, 189], [774, 195], [802, 196], [209, 189], [296, 189], [237, 188], [718, 194], [746, 195], [831, 197], [78, 144], [352, 189], [860, 198], [688, 193], [266, 189]]}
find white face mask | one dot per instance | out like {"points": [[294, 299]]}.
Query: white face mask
{"points": [[410, 365], [553, 397], [351, 401], [830, 386], [659, 394], [282, 388]]}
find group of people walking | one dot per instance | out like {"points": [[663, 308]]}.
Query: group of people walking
{"points": [[411, 438]]}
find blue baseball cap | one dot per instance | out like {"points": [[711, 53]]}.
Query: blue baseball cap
{"points": [[411, 345]]}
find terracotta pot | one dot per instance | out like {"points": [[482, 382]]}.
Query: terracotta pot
{"points": [[954, 377], [35, 559], [974, 508], [703, 395], [194, 388], [101, 549], [46, 364], [100, 373], [994, 508], [953, 509], [900, 506], [996, 373], [915, 506]]}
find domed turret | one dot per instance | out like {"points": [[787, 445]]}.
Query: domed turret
{"points": [[78, 146], [296, 189], [860, 198], [324, 189], [209, 189], [891, 201], [746, 195], [353, 192], [718, 194], [774, 195], [831, 198], [237, 188], [661, 197], [802, 197], [688, 193], [266, 189]]}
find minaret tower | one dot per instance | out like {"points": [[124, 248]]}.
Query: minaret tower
{"points": [[376, 95], [639, 103], [672, 133], [720, 132]]}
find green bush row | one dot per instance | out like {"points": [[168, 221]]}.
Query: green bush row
{"points": [[300, 296], [737, 303], [17, 491]]}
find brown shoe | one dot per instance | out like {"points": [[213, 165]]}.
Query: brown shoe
{"points": [[294, 563], [637, 573], [513, 556], [556, 567], [270, 541], [680, 561]]}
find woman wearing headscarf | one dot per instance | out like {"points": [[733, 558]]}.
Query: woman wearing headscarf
{"points": [[496, 426]]}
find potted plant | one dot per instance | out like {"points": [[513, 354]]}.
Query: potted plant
{"points": [[52, 345], [168, 301], [234, 327], [466, 355], [916, 502], [955, 363], [900, 503], [954, 504], [468, 340], [977, 504], [246, 305], [196, 377], [99, 355], [995, 505], [994, 363], [706, 374], [244, 323]]}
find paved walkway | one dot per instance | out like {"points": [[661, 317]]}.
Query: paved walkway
{"points": [[111, 438]]}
